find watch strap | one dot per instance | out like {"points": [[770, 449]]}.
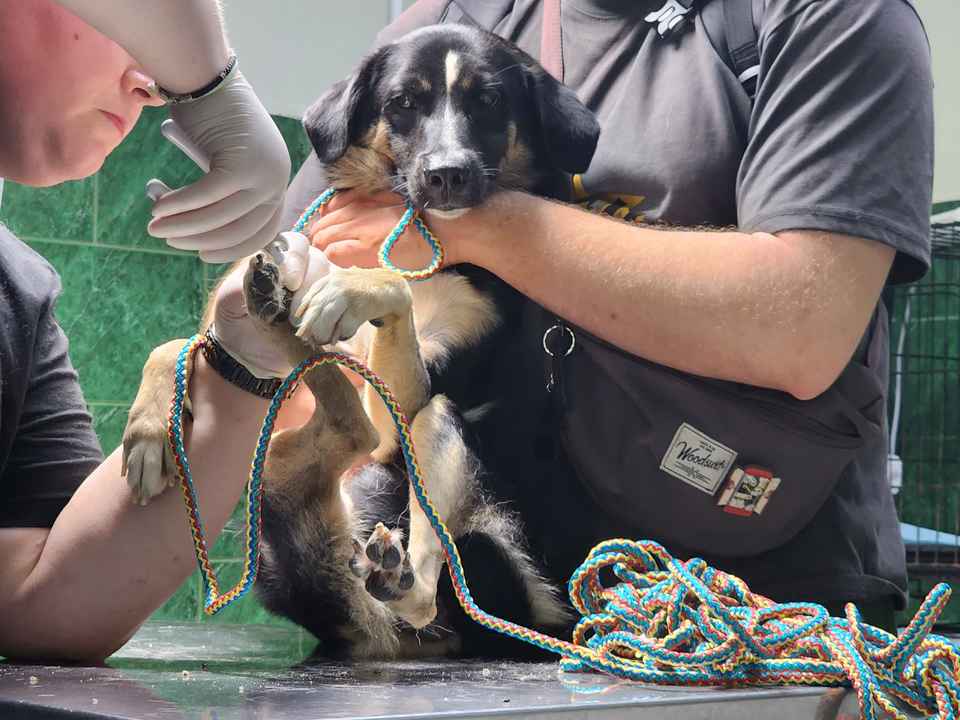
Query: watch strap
{"points": [[178, 99]]}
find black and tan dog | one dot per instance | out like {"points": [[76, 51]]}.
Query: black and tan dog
{"points": [[444, 116]]}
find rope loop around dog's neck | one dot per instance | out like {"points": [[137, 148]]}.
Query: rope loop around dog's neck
{"points": [[666, 621], [411, 215]]}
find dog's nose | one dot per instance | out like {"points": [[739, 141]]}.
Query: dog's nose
{"points": [[448, 183]]}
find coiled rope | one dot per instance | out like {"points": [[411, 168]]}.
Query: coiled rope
{"points": [[666, 621]]}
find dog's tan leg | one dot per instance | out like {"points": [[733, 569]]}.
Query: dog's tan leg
{"points": [[339, 304], [308, 525], [147, 459], [448, 479], [340, 430]]}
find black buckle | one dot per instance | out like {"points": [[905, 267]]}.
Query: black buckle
{"points": [[670, 18]]}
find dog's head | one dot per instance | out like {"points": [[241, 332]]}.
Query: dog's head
{"points": [[446, 113]]}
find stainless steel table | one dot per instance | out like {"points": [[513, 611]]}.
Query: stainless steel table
{"points": [[218, 671]]}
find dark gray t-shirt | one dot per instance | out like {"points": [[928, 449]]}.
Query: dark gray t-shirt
{"points": [[47, 442], [839, 138]]}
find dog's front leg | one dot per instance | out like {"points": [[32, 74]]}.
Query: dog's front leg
{"points": [[339, 304], [147, 458]]}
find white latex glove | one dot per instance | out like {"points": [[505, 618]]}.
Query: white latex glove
{"points": [[302, 265], [234, 210]]}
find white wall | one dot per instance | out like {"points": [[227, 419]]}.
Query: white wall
{"points": [[942, 20], [292, 50]]}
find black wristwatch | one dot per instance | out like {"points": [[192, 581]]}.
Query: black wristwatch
{"points": [[233, 371]]}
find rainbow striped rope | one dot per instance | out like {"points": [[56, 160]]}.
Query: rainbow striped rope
{"points": [[667, 622], [412, 214]]}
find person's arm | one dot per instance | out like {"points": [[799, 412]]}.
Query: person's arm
{"points": [[235, 208], [81, 589], [783, 311], [179, 43]]}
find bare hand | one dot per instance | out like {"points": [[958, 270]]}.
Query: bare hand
{"points": [[352, 227]]}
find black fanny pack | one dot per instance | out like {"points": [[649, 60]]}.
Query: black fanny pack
{"points": [[717, 467]]}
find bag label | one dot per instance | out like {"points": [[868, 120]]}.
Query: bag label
{"points": [[697, 459], [748, 491]]}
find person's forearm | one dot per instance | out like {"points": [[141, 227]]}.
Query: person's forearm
{"points": [[784, 311], [179, 43], [107, 564]]}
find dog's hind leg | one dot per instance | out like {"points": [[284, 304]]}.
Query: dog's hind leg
{"points": [[334, 309], [308, 526], [455, 484]]}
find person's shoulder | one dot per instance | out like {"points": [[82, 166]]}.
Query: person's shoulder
{"points": [[25, 275], [418, 15], [778, 12]]}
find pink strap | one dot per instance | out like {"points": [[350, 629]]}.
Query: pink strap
{"points": [[551, 47]]}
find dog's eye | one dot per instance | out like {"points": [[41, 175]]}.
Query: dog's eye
{"points": [[404, 102], [488, 98]]}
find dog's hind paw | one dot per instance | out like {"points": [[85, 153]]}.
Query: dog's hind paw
{"points": [[266, 298], [383, 565]]}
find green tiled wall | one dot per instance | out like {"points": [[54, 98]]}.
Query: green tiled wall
{"points": [[125, 292]]}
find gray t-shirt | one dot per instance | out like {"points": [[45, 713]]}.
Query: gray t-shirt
{"points": [[839, 138], [47, 442]]}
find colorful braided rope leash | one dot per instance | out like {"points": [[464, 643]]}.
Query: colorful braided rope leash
{"points": [[411, 215], [215, 602], [666, 622]]}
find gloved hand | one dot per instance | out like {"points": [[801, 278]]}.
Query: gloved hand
{"points": [[302, 265], [234, 210]]}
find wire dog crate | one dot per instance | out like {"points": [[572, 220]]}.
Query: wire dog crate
{"points": [[925, 409]]}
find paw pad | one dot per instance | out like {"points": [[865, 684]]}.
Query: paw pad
{"points": [[382, 564]]}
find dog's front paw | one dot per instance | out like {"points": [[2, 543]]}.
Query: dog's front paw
{"points": [[382, 564], [335, 307], [147, 459]]}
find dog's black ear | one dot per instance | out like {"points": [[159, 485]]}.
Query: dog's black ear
{"points": [[336, 119], [570, 131]]}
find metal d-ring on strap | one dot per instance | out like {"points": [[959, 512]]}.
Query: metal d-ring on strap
{"points": [[665, 621], [412, 215], [563, 330]]}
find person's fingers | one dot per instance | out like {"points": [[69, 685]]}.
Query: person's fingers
{"points": [[229, 300], [249, 246], [209, 189], [293, 262], [357, 204], [326, 237], [317, 265], [338, 216], [351, 253], [340, 200], [215, 220], [229, 234]]}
